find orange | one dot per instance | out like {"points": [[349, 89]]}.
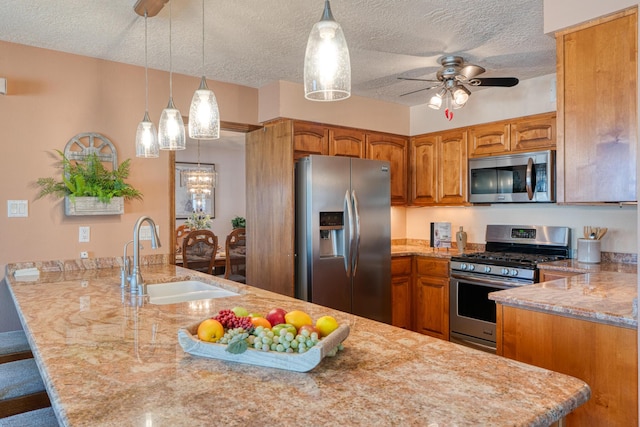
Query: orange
{"points": [[260, 321], [298, 318], [326, 325], [210, 330]]}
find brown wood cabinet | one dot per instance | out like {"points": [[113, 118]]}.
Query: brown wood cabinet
{"points": [[523, 134], [401, 280], [547, 275], [346, 142], [310, 138], [604, 356], [439, 168], [597, 110], [431, 297], [395, 150], [271, 208]]}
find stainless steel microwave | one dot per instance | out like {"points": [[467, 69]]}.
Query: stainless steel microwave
{"points": [[513, 178]]}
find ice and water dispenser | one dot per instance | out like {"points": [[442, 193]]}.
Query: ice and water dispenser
{"points": [[331, 234]]}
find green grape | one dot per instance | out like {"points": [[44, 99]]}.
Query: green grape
{"points": [[301, 338], [289, 350], [304, 333], [276, 339], [270, 334], [257, 345], [280, 348], [302, 349], [265, 347], [294, 344], [282, 332], [309, 343], [286, 344], [289, 336], [274, 346], [314, 336]]}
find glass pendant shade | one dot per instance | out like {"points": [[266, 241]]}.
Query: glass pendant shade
{"points": [[171, 129], [200, 182], [327, 67], [147, 139], [204, 116]]}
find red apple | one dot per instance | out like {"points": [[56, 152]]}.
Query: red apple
{"points": [[276, 316]]}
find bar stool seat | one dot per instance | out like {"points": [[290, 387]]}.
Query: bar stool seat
{"points": [[44, 417], [21, 388], [14, 346]]}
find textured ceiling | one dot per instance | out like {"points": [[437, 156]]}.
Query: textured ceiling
{"points": [[255, 42]]}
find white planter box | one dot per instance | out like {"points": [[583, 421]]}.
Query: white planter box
{"points": [[93, 206]]}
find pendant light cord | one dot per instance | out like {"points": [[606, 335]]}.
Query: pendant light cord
{"points": [[146, 66], [198, 154], [203, 37], [170, 61]]}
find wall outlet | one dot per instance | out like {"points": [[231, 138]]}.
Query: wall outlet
{"points": [[84, 255], [84, 235]]}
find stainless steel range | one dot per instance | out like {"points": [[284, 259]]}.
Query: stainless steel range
{"points": [[511, 258]]}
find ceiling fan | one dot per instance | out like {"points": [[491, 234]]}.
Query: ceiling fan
{"points": [[451, 81]]}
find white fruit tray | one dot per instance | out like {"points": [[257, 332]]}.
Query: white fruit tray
{"points": [[298, 362]]}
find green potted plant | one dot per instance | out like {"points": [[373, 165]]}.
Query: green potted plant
{"points": [[89, 188], [198, 221], [238, 222]]}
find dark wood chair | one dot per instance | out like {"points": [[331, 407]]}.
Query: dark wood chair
{"points": [[235, 255], [199, 249], [181, 233]]}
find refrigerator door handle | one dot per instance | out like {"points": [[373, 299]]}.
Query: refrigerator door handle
{"points": [[348, 236], [355, 255]]}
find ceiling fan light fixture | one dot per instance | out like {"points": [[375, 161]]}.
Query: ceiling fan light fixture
{"points": [[460, 96], [204, 115], [436, 100], [327, 66]]}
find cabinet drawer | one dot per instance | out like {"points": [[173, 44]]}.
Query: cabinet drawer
{"points": [[401, 266], [432, 267]]}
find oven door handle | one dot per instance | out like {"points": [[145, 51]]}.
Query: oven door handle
{"points": [[498, 283]]}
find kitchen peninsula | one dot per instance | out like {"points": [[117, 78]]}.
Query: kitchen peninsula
{"points": [[110, 359], [584, 325]]}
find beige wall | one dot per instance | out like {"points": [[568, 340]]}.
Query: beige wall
{"points": [[54, 96]]}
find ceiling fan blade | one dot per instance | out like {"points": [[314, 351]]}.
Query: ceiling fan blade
{"points": [[494, 81], [469, 71], [418, 80], [419, 90]]}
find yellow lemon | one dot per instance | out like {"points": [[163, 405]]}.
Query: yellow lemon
{"points": [[298, 318], [326, 325]]}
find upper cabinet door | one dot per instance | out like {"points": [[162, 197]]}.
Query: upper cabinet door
{"points": [[395, 150], [489, 139], [310, 138], [439, 168], [534, 133], [597, 110], [346, 142], [452, 168]]}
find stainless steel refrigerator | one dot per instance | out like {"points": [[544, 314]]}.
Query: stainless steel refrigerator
{"points": [[343, 234]]}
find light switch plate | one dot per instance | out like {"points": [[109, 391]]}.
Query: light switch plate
{"points": [[17, 208], [145, 232]]}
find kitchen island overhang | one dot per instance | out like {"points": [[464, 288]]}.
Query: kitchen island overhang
{"points": [[107, 359]]}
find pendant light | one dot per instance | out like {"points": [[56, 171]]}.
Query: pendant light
{"points": [[171, 128], [146, 135], [327, 67], [204, 116]]}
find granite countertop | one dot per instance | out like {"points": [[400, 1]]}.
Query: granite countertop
{"points": [[109, 359], [605, 293]]}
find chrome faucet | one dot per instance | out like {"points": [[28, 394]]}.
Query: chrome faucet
{"points": [[135, 278]]}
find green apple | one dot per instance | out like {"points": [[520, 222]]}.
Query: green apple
{"points": [[240, 311], [256, 315], [288, 327]]}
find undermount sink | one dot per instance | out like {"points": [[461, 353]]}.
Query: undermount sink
{"points": [[186, 290]]}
